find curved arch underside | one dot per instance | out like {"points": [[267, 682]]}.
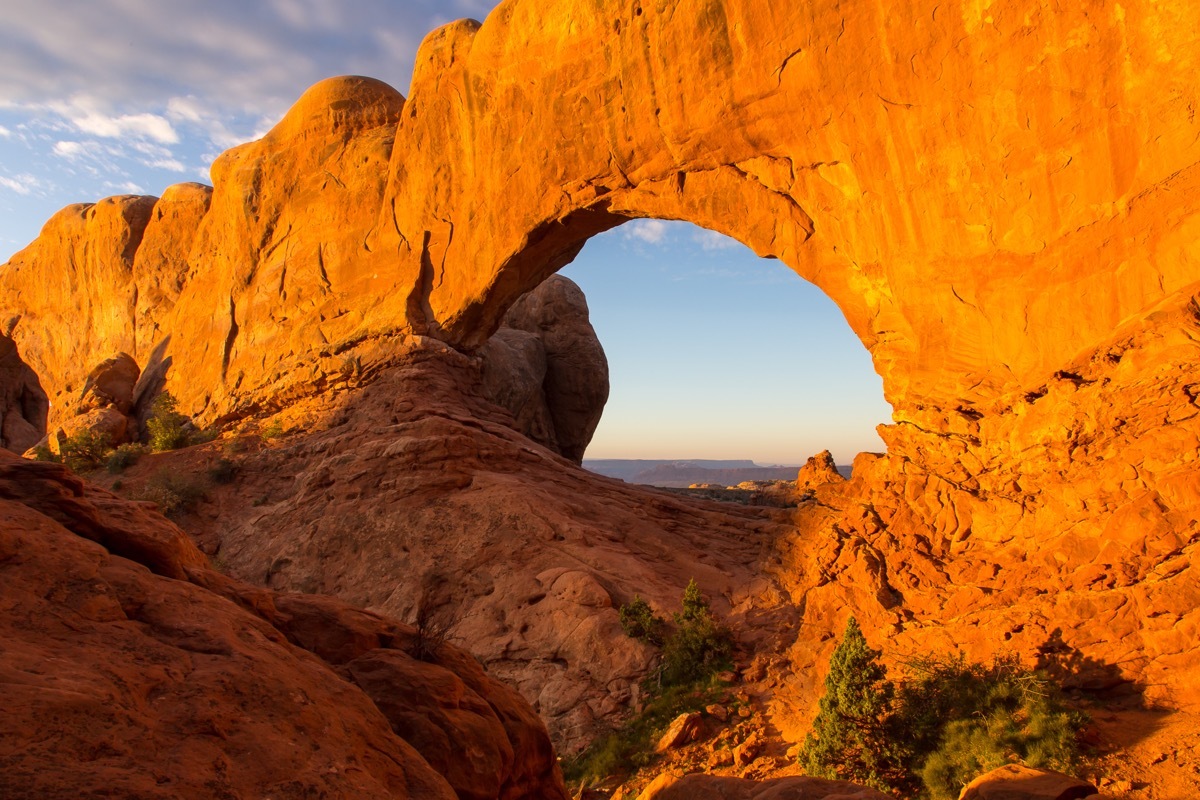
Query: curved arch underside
{"points": [[986, 193]]}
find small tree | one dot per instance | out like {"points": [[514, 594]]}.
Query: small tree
{"points": [[699, 646], [86, 450], [850, 738], [639, 621], [166, 425]]}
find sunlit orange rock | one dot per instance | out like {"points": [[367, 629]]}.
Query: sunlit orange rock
{"points": [[1000, 198]]}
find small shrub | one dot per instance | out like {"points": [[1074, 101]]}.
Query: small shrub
{"points": [[966, 719], [43, 453], [124, 457], [173, 494], [946, 722], [431, 621], [167, 427], [631, 746], [639, 622], [272, 431], [699, 646], [85, 451], [223, 471]]}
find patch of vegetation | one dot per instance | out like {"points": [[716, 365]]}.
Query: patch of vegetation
{"points": [[43, 453], [173, 494], [272, 431], [85, 450], [972, 718], [631, 746], [692, 654], [699, 647], [639, 622], [167, 427], [945, 723], [124, 457], [223, 471], [851, 738]]}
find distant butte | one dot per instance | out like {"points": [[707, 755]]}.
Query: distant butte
{"points": [[1003, 200]]}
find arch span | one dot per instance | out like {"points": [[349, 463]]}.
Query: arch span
{"points": [[959, 183]]}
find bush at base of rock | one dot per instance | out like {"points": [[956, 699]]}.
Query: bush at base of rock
{"points": [[166, 426], [85, 451], [124, 457], [946, 722], [638, 621], [173, 494], [632, 746]]}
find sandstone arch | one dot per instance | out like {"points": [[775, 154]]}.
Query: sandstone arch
{"points": [[964, 190], [986, 193]]}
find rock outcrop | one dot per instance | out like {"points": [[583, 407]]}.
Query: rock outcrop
{"points": [[708, 787], [546, 366], [1000, 198], [1014, 782], [24, 406], [131, 667]]}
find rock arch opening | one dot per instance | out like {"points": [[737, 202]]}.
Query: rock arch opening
{"points": [[715, 353]]}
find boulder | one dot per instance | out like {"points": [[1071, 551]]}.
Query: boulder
{"points": [[24, 406], [683, 730], [547, 367], [168, 677], [110, 384], [1017, 782]]}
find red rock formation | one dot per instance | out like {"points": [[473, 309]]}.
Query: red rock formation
{"points": [[127, 669], [547, 368], [999, 199], [707, 787], [23, 404]]}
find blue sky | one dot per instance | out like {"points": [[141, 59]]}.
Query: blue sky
{"points": [[713, 351]]}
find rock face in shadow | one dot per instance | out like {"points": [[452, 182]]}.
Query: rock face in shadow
{"points": [[24, 406], [546, 366], [171, 678]]}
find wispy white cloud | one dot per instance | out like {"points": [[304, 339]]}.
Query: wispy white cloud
{"points": [[22, 184], [126, 187], [713, 241], [70, 150], [650, 231], [5, 132], [137, 126]]}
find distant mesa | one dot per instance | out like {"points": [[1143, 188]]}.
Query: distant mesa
{"points": [[675, 474]]}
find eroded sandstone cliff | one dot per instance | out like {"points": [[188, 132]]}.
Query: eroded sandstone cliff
{"points": [[998, 196]]}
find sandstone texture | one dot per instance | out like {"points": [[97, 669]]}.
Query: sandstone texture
{"points": [[546, 366], [132, 668], [24, 406], [1014, 782], [709, 787], [999, 197]]}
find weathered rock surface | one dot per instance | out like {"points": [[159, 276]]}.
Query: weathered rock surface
{"points": [[711, 787], [132, 668], [1015, 782], [24, 406], [415, 480], [546, 366], [819, 470]]}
